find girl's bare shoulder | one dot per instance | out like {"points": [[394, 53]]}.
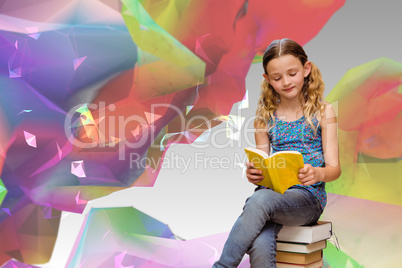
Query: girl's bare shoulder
{"points": [[329, 115]]}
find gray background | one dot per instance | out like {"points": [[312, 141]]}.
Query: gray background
{"points": [[203, 201]]}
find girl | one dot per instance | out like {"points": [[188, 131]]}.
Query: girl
{"points": [[290, 116]]}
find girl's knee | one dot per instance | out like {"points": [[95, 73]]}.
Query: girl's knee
{"points": [[261, 199], [263, 196], [263, 242]]}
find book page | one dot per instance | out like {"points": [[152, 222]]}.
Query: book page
{"points": [[284, 168], [259, 163]]}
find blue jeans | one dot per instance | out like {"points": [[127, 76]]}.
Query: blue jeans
{"points": [[256, 229]]}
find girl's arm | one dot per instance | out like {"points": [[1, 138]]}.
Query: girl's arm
{"points": [[262, 143], [262, 140], [332, 170]]}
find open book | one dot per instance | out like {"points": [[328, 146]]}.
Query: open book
{"points": [[280, 169]]}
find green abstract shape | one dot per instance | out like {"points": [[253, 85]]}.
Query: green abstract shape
{"points": [[127, 221], [84, 111], [257, 58], [3, 191], [117, 228], [368, 102], [164, 64], [334, 258]]}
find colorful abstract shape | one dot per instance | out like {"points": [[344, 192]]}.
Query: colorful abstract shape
{"points": [[17, 264], [333, 257], [129, 237], [371, 143], [102, 82], [30, 234], [166, 67], [365, 203], [371, 241], [3, 191]]}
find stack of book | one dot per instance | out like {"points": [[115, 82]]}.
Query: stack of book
{"points": [[302, 246]]}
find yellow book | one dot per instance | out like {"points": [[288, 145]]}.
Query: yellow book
{"points": [[280, 169]]}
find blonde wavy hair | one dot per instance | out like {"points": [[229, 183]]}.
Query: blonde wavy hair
{"points": [[312, 91]]}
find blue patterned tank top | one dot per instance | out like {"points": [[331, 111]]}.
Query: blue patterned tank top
{"points": [[299, 136]]}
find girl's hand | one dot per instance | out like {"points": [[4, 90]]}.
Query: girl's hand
{"points": [[253, 175], [308, 175]]}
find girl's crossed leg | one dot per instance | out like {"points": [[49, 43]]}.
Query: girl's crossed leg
{"points": [[257, 227]]}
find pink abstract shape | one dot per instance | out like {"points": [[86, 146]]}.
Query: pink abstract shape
{"points": [[30, 139], [147, 178], [56, 159], [6, 210], [77, 168], [106, 233], [77, 62], [17, 264], [31, 30], [119, 259], [136, 132], [15, 73], [82, 263], [34, 36], [47, 211], [59, 151], [78, 200], [152, 117], [199, 50], [215, 257], [358, 232]]}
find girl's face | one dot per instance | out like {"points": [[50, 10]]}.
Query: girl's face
{"points": [[286, 75]]}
